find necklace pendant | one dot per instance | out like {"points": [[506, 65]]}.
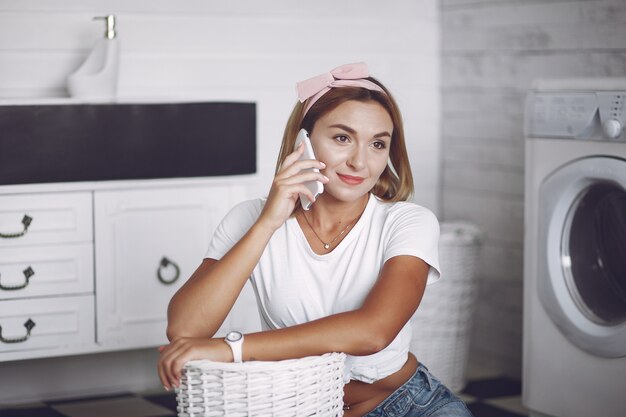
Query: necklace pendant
{"points": [[326, 245]]}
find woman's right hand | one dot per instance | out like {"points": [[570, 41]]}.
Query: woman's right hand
{"points": [[286, 187]]}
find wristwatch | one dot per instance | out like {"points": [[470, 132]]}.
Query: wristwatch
{"points": [[235, 341]]}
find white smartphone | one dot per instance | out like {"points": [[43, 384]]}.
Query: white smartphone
{"points": [[316, 187]]}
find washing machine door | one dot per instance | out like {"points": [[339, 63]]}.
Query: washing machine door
{"points": [[582, 253]]}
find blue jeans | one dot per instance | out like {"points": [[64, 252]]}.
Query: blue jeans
{"points": [[421, 396]]}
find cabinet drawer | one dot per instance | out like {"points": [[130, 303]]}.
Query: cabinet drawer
{"points": [[46, 270], [148, 243], [57, 323], [56, 218]]}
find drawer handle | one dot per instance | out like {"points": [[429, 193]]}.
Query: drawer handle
{"points": [[28, 272], [29, 326], [26, 220], [164, 264]]}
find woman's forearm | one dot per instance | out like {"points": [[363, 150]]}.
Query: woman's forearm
{"points": [[200, 306], [350, 332]]}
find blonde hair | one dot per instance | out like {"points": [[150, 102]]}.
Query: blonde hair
{"points": [[390, 187]]}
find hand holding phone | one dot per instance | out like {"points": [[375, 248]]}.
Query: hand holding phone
{"points": [[316, 187]]}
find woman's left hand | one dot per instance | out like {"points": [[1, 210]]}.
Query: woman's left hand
{"points": [[177, 353]]}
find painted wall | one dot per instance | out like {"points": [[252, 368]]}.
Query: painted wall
{"points": [[491, 52], [218, 50]]}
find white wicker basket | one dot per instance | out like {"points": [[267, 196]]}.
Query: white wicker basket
{"points": [[311, 386], [442, 323]]}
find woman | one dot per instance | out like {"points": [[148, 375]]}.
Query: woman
{"points": [[344, 276]]}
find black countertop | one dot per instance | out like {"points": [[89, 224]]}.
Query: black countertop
{"points": [[99, 142]]}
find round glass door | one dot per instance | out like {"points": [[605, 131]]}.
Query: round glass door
{"points": [[581, 253], [594, 249]]}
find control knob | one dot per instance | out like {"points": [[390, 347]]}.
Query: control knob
{"points": [[612, 128]]}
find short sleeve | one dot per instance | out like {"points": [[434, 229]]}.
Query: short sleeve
{"points": [[233, 227], [414, 230]]}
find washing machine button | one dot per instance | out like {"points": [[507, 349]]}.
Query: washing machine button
{"points": [[612, 128]]}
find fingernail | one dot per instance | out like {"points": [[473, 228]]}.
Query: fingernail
{"points": [[322, 164], [326, 178], [165, 388]]}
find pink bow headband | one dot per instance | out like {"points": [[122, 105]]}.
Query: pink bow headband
{"points": [[349, 75]]}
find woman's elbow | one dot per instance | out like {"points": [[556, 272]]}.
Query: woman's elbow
{"points": [[173, 326], [180, 325], [375, 346], [174, 331], [177, 327], [374, 342], [171, 334]]}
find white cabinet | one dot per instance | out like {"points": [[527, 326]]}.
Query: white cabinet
{"points": [[46, 274], [148, 242], [95, 267]]}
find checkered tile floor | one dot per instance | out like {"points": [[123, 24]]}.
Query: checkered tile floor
{"points": [[494, 397], [491, 397]]}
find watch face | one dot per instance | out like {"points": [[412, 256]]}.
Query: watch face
{"points": [[233, 336]]}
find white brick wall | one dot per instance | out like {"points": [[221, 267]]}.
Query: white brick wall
{"points": [[491, 51]]}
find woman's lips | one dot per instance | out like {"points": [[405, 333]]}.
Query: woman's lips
{"points": [[349, 179]]}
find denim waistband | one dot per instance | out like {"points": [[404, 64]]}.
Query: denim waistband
{"points": [[422, 394], [421, 375]]}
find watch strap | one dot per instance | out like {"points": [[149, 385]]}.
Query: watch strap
{"points": [[236, 346]]}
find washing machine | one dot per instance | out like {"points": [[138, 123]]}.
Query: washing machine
{"points": [[574, 353]]}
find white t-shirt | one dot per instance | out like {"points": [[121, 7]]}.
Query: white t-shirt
{"points": [[295, 285]]}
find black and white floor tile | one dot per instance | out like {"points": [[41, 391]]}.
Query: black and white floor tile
{"points": [[494, 397], [485, 397], [118, 405]]}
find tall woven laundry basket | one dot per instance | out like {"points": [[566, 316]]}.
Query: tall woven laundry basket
{"points": [[311, 386], [442, 323]]}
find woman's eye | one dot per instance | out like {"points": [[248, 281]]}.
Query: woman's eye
{"points": [[379, 145], [341, 138]]}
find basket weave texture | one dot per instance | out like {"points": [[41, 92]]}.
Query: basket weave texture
{"points": [[311, 386], [442, 323]]}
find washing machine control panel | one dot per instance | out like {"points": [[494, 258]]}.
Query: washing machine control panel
{"points": [[599, 115]]}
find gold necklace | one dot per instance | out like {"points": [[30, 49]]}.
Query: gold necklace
{"points": [[327, 244]]}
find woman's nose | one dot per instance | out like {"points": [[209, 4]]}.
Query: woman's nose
{"points": [[357, 158]]}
